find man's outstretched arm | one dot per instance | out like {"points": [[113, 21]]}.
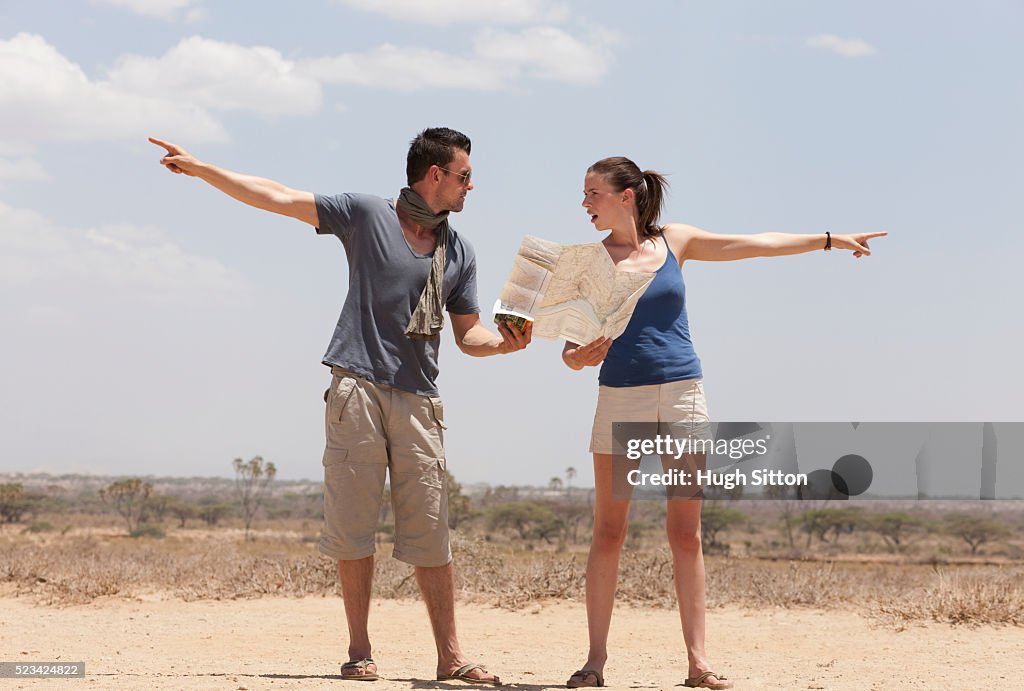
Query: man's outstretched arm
{"points": [[254, 191]]}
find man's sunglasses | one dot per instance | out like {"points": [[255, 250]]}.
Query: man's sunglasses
{"points": [[466, 177]]}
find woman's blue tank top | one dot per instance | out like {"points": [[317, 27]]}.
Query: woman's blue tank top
{"points": [[655, 348]]}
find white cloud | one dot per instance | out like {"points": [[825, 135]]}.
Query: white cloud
{"points": [[167, 10], [550, 53], [137, 260], [23, 168], [444, 12], [847, 47], [408, 69], [48, 97], [499, 58], [220, 76]]}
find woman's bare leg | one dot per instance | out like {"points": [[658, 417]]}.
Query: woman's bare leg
{"points": [[682, 523], [611, 519]]}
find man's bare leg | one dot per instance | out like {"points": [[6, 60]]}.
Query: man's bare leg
{"points": [[437, 583], [356, 577]]}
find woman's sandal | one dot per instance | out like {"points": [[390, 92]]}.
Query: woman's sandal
{"points": [[361, 673]]}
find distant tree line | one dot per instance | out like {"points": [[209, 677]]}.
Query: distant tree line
{"points": [[557, 517]]}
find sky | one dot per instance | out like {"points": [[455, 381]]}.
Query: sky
{"points": [[153, 326]]}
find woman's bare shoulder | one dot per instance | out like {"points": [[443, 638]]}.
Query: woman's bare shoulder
{"points": [[678, 235]]}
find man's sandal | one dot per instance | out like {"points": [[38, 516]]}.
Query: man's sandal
{"points": [[580, 679], [702, 682], [360, 669], [462, 674]]}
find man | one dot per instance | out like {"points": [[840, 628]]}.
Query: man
{"points": [[383, 412]]}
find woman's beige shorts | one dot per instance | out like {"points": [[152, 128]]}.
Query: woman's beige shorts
{"points": [[679, 404]]}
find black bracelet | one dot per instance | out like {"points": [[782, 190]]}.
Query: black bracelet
{"points": [[828, 241]]}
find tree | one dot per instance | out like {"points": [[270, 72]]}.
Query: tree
{"points": [[210, 514], [530, 519], [894, 526], [12, 502], [182, 510], [845, 520], [555, 484], [715, 518], [570, 475], [128, 498], [975, 530], [823, 522], [252, 478]]}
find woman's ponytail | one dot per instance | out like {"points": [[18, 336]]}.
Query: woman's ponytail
{"points": [[650, 198]]}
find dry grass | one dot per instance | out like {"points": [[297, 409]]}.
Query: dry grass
{"points": [[80, 569], [995, 596], [77, 568]]}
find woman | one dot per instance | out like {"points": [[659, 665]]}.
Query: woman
{"points": [[652, 374]]}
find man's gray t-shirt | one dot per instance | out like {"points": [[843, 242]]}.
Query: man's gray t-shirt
{"points": [[385, 280]]}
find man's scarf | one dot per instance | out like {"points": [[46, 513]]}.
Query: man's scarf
{"points": [[428, 318]]}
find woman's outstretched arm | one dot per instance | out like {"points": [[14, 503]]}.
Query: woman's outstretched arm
{"points": [[690, 242]]}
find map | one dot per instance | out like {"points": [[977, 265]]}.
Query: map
{"points": [[569, 291]]}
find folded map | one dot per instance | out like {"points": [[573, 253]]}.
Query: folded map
{"points": [[569, 291]]}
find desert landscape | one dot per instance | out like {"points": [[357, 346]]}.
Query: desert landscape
{"points": [[211, 603], [277, 642]]}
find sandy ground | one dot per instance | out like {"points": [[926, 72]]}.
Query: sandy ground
{"points": [[279, 643]]}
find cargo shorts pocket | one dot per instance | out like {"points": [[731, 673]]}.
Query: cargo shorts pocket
{"points": [[353, 488], [433, 473], [334, 456], [437, 410], [419, 494], [437, 417], [337, 397]]}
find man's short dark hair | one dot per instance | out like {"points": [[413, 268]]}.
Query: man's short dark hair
{"points": [[434, 146]]}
